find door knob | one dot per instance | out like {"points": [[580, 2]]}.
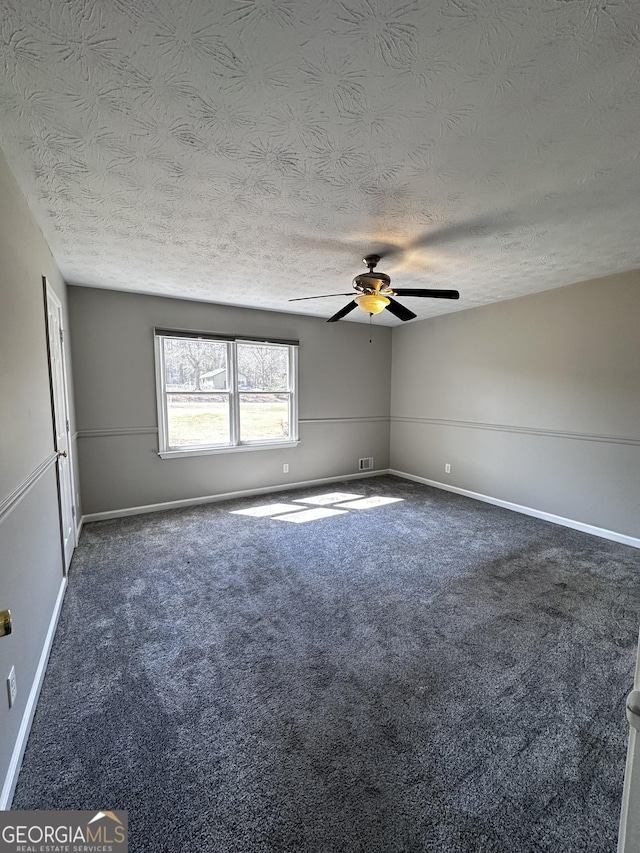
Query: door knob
{"points": [[6, 625], [62, 453]]}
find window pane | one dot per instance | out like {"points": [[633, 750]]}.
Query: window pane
{"points": [[201, 419], [195, 365], [264, 417], [263, 368]]}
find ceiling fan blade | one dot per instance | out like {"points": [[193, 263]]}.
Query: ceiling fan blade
{"points": [[399, 311], [480, 226], [343, 312], [365, 244], [323, 296], [386, 251], [435, 294]]}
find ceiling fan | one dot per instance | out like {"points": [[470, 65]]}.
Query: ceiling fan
{"points": [[374, 294]]}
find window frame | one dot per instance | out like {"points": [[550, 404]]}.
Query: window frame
{"points": [[165, 451]]}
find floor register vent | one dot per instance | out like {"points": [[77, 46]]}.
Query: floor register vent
{"points": [[365, 464]]}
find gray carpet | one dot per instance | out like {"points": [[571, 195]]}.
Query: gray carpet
{"points": [[434, 675]]}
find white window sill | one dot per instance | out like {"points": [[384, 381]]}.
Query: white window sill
{"points": [[239, 448]]}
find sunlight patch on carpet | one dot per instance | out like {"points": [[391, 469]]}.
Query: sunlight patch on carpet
{"points": [[265, 510], [310, 514], [369, 503], [328, 498], [298, 512]]}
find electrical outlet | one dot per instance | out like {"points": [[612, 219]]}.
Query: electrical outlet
{"points": [[12, 687], [285, 468], [447, 468]]}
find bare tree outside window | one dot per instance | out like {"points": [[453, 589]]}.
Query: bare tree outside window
{"points": [[265, 367], [186, 362]]}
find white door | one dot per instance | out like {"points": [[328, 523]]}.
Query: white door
{"points": [[59, 399], [629, 838]]}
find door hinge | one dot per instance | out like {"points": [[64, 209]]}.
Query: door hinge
{"points": [[61, 336], [67, 424], [73, 511]]}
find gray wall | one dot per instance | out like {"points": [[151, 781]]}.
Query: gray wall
{"points": [[535, 401], [30, 552], [344, 400]]}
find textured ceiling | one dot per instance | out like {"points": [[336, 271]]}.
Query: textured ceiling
{"points": [[251, 151]]}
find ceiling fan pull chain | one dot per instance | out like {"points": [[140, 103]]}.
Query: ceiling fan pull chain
{"points": [[370, 316]]}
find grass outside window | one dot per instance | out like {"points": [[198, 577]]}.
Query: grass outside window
{"points": [[203, 423]]}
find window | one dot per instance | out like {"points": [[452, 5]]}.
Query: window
{"points": [[218, 393]]}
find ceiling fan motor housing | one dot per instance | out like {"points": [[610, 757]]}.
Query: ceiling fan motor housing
{"points": [[372, 282]]}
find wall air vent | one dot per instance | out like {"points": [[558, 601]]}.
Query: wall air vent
{"points": [[365, 464]]}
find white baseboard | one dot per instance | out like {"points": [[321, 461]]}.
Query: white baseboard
{"points": [[11, 779], [602, 532], [139, 510]]}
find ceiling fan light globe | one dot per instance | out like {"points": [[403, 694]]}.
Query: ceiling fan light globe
{"points": [[372, 303]]}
